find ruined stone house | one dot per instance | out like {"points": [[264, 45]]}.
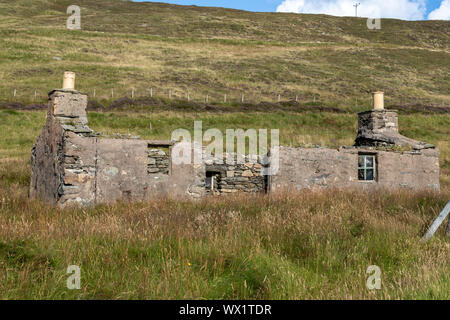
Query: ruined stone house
{"points": [[71, 164]]}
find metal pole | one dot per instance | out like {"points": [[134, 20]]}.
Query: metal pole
{"points": [[356, 5]]}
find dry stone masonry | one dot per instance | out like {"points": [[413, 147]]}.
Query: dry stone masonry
{"points": [[222, 178], [158, 161], [71, 164]]}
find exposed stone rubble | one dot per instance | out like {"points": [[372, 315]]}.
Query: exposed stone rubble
{"points": [[158, 162], [238, 177]]}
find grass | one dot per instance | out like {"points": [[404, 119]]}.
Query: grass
{"points": [[291, 246], [212, 51], [286, 246]]}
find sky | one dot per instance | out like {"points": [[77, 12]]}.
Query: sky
{"points": [[400, 9]]}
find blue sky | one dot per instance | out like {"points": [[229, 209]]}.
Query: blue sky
{"points": [[401, 9]]}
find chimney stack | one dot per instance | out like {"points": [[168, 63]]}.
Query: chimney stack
{"points": [[69, 80], [378, 100], [67, 105]]}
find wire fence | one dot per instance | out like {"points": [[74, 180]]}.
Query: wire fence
{"points": [[224, 97]]}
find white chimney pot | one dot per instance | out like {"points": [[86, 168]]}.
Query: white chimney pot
{"points": [[69, 80], [378, 100]]}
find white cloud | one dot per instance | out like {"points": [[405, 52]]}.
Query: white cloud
{"points": [[399, 9], [441, 13]]}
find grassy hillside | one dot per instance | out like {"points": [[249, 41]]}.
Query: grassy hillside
{"points": [[290, 246], [213, 51]]}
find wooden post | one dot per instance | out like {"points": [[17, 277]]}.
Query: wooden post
{"points": [[35, 94], [225, 98], [151, 92], [94, 93], [243, 97], [279, 97], [112, 93], [296, 98], [188, 97], [437, 223], [207, 98], [170, 94], [15, 91]]}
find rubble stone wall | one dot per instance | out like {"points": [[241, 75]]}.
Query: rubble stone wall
{"points": [[158, 161], [238, 177], [70, 164]]}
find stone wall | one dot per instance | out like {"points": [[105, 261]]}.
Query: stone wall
{"points": [[158, 160], [70, 164], [233, 178], [316, 168], [47, 159]]}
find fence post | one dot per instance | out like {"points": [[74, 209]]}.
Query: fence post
{"points": [[170, 94], [225, 98], [188, 97], [35, 94], [151, 92], [94, 93], [437, 223], [296, 98], [279, 97], [243, 97], [132, 93], [15, 91], [112, 93]]}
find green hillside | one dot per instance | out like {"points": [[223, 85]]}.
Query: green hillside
{"points": [[213, 51], [305, 245]]}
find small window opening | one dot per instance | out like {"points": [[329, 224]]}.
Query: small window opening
{"points": [[212, 182], [366, 168], [267, 182]]}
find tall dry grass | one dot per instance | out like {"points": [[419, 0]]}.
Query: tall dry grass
{"points": [[285, 246]]}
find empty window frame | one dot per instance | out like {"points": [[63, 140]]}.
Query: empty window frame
{"points": [[366, 167], [212, 181]]}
